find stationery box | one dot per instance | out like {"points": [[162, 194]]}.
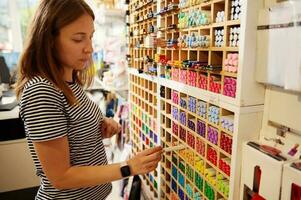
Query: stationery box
{"points": [[261, 173], [291, 182]]}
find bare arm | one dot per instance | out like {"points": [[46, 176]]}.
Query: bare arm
{"points": [[55, 161]]}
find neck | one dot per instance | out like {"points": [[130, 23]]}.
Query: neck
{"points": [[68, 75]]}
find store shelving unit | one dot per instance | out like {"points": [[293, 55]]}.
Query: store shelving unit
{"points": [[211, 156], [215, 82], [142, 24], [183, 106], [200, 145], [143, 97]]}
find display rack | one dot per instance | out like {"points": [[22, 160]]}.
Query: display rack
{"points": [[212, 49], [187, 104], [143, 98], [143, 24], [213, 146]]}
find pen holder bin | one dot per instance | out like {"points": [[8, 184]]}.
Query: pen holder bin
{"points": [[261, 174], [291, 182]]}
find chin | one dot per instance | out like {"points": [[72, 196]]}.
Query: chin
{"points": [[81, 67]]}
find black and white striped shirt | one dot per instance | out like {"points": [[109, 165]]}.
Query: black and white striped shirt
{"points": [[47, 116]]}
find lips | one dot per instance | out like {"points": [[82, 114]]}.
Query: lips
{"points": [[84, 60]]}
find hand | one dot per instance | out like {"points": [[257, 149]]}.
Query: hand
{"points": [[109, 127], [145, 161]]}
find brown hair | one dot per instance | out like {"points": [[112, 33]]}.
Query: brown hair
{"points": [[39, 56]]}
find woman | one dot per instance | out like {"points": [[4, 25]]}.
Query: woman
{"points": [[64, 128]]}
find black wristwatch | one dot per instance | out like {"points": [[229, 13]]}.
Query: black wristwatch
{"points": [[125, 169]]}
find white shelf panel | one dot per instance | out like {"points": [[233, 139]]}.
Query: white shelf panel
{"points": [[142, 75], [192, 91], [213, 98]]}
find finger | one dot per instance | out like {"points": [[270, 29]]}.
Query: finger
{"points": [[104, 129], [108, 130], [151, 151], [117, 129], [151, 164], [114, 121], [106, 120], [152, 168], [105, 123], [112, 131], [152, 157], [116, 126]]}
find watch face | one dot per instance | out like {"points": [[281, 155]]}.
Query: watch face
{"points": [[125, 171]]}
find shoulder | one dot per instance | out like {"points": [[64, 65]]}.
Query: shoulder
{"points": [[40, 85], [38, 81], [39, 88]]}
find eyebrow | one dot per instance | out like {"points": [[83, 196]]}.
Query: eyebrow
{"points": [[82, 33]]}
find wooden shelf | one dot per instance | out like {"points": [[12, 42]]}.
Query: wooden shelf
{"points": [[224, 153], [188, 8], [218, 1], [169, 101], [194, 49], [174, 10], [234, 75], [141, 129], [148, 3], [216, 147], [145, 20], [145, 89], [218, 48], [143, 34], [225, 175], [213, 125], [142, 48], [207, 4], [195, 28], [197, 116], [234, 49], [233, 22], [163, 177], [225, 131], [239, 106], [217, 25], [153, 106], [171, 30]]}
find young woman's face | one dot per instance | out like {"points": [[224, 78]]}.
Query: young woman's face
{"points": [[74, 44]]}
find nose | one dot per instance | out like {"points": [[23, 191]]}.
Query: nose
{"points": [[88, 48]]}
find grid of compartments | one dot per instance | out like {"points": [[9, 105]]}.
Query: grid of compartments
{"points": [[202, 44], [144, 122], [202, 170], [143, 25], [202, 50]]}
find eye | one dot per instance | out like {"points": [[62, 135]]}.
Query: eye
{"points": [[77, 40]]}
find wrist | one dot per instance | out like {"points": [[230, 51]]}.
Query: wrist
{"points": [[125, 169], [131, 166]]}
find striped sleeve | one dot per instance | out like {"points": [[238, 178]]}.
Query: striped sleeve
{"points": [[42, 111]]}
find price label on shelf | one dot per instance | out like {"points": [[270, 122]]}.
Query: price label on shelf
{"points": [[214, 100]]}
